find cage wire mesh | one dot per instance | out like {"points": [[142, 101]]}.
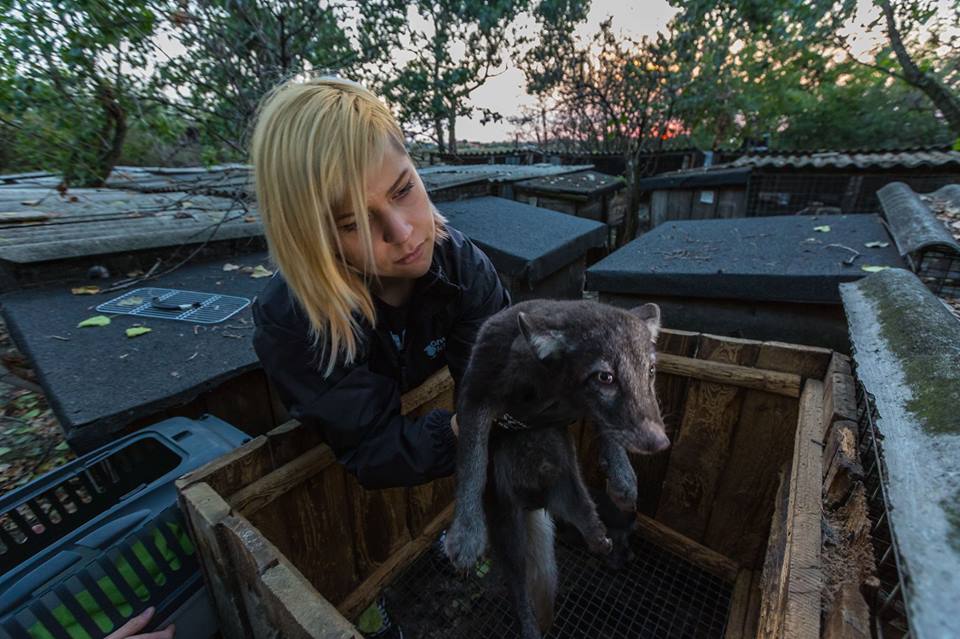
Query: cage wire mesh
{"points": [[787, 192], [888, 610], [657, 596], [939, 271]]}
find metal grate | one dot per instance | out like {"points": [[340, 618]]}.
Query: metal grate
{"points": [[940, 271], [658, 595], [200, 308], [888, 611]]}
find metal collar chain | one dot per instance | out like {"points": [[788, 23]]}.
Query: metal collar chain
{"points": [[508, 422]]}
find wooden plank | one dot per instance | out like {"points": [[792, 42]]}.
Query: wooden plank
{"points": [[243, 401], [802, 609], [744, 503], [425, 503], [204, 511], [773, 579], [786, 384], [366, 592], [671, 395], [290, 440], [841, 464], [234, 470], [751, 620], [379, 524], [701, 447], [697, 554], [259, 494], [739, 602], [300, 612], [311, 525], [805, 361], [839, 399], [436, 386]]}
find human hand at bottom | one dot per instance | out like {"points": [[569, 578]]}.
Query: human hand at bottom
{"points": [[131, 629]]}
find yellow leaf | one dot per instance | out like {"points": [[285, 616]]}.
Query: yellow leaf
{"points": [[230, 267], [96, 320], [134, 300], [137, 330], [873, 269], [822, 229], [85, 290], [260, 271]]}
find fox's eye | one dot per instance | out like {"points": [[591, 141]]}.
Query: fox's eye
{"points": [[653, 369], [604, 377]]}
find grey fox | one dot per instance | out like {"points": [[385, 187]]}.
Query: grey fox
{"points": [[548, 364]]}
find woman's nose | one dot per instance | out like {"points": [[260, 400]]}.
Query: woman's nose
{"points": [[396, 228]]}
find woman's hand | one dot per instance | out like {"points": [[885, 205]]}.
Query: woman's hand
{"points": [[130, 629]]}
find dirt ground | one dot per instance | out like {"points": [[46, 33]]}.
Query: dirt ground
{"points": [[31, 441]]}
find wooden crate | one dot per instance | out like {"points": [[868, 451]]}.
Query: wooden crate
{"points": [[293, 547]]}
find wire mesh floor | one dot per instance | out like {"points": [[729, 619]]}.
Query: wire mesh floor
{"points": [[658, 595]]}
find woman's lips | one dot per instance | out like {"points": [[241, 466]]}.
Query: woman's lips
{"points": [[414, 256]]}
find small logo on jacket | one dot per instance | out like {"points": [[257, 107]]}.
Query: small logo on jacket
{"points": [[435, 347]]}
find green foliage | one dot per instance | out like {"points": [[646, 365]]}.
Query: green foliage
{"points": [[235, 52], [70, 81], [460, 46], [785, 69]]}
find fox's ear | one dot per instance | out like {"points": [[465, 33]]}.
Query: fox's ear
{"points": [[650, 314], [547, 344]]}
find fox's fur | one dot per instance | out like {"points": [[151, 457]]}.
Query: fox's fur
{"points": [[548, 364]]}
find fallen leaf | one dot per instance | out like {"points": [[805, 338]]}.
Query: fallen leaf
{"points": [[822, 229], [135, 273], [877, 244], [62, 446], [31, 414], [230, 267], [96, 320], [131, 301], [73, 198], [246, 269], [260, 271], [85, 290], [138, 330], [249, 218], [873, 269]]}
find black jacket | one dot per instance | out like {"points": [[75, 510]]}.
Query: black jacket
{"points": [[357, 408]]}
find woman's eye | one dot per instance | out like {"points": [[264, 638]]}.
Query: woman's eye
{"points": [[349, 228], [604, 377], [402, 192]]}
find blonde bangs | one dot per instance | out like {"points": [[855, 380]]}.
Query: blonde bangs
{"points": [[312, 147]]}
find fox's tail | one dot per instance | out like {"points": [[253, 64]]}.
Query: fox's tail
{"points": [[541, 566]]}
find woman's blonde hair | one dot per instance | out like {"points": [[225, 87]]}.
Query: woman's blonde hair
{"points": [[313, 144]]}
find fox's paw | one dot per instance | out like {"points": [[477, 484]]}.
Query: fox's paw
{"points": [[465, 543]]}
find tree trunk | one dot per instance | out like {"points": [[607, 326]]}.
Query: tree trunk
{"points": [[116, 122], [452, 131], [438, 133], [628, 229], [947, 102]]}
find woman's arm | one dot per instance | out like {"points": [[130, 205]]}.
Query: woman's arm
{"points": [[358, 414]]}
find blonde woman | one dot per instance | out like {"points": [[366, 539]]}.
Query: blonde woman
{"points": [[374, 292]]}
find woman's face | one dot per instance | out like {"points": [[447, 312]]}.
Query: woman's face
{"points": [[401, 221]]}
